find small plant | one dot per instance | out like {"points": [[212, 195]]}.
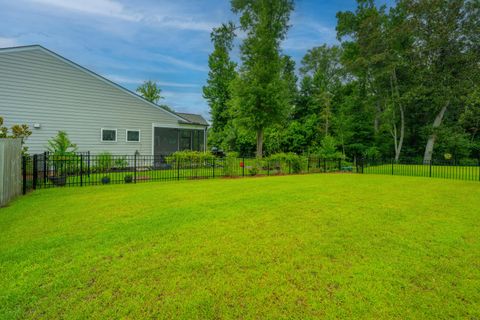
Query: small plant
{"points": [[105, 180], [253, 171], [231, 164], [60, 145], [128, 179], [65, 161], [104, 161], [120, 163]]}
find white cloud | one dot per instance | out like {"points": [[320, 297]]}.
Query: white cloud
{"points": [[108, 8], [190, 102], [8, 42], [114, 9], [306, 34], [128, 80], [180, 63], [183, 23]]}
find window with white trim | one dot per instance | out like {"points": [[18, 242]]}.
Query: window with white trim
{"points": [[133, 135], [109, 135]]}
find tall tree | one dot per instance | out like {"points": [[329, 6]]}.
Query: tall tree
{"points": [[150, 91], [222, 72], [442, 57], [261, 93], [322, 66], [377, 53]]}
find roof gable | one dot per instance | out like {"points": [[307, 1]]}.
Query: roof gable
{"points": [[93, 74]]}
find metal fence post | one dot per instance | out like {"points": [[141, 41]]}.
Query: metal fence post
{"points": [[178, 168], [308, 164], [392, 166], [340, 164], [24, 174], [88, 163], [81, 170], [478, 168], [324, 165], [213, 172], [35, 171], [44, 168], [268, 167], [243, 167], [363, 160], [135, 168], [431, 160]]}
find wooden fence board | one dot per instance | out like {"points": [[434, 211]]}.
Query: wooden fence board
{"points": [[10, 170]]}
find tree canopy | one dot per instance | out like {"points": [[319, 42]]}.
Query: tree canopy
{"points": [[403, 81]]}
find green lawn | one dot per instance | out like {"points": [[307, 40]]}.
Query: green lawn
{"points": [[295, 247]]}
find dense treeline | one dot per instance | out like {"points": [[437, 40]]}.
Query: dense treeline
{"points": [[404, 81]]}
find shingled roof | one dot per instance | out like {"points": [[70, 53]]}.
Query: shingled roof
{"points": [[194, 118]]}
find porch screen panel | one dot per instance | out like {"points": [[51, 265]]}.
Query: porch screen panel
{"points": [[166, 141], [201, 140], [185, 139]]}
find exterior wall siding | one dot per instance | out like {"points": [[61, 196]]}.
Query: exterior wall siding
{"points": [[38, 88]]}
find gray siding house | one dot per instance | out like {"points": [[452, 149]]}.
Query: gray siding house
{"points": [[51, 93]]}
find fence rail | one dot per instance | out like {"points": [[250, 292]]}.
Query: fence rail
{"points": [[83, 169], [465, 169], [47, 171]]}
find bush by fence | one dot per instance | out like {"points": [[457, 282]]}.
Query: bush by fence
{"points": [[49, 170], [82, 169]]}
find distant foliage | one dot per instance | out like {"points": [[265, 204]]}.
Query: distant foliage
{"points": [[21, 131], [403, 82]]}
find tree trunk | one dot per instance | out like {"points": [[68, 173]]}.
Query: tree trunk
{"points": [[427, 157], [259, 143], [398, 148]]}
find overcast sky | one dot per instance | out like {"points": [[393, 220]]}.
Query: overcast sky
{"points": [[165, 41]]}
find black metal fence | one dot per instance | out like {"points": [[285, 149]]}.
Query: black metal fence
{"points": [[83, 169], [464, 169]]}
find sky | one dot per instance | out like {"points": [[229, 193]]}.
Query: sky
{"points": [[161, 40]]}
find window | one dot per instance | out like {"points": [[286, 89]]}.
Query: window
{"points": [[109, 135], [133, 135]]}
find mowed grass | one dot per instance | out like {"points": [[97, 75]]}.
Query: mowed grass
{"points": [[295, 247]]}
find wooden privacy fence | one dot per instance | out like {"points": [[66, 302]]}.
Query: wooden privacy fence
{"points": [[10, 170]]}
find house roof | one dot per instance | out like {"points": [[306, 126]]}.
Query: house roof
{"points": [[179, 117], [194, 118]]}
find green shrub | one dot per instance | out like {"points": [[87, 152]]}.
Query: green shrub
{"points": [[120, 163], [253, 171], [194, 158], [287, 162], [62, 155], [231, 164], [104, 161]]}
